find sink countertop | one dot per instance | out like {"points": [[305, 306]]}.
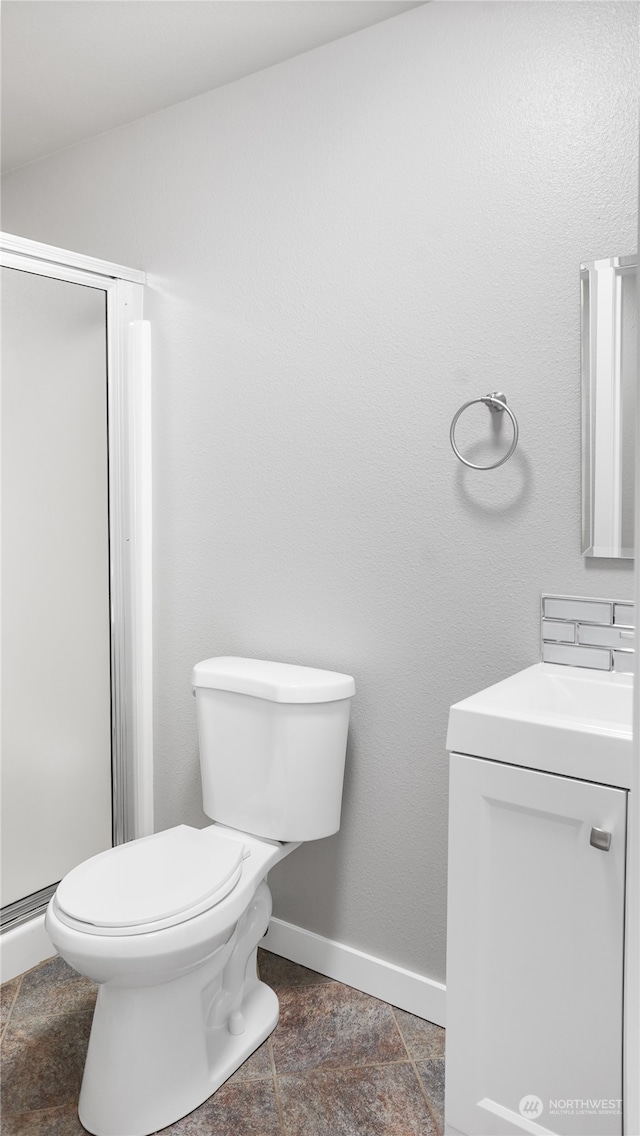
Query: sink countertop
{"points": [[566, 720]]}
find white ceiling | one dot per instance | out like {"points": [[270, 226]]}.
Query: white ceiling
{"points": [[75, 68]]}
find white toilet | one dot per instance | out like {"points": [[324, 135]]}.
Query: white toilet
{"points": [[169, 925]]}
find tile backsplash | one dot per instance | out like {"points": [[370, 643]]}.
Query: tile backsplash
{"points": [[578, 632]]}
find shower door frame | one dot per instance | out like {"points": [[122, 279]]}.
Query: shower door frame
{"points": [[129, 509]]}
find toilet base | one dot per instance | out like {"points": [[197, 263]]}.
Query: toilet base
{"points": [[157, 1052], [174, 1077]]}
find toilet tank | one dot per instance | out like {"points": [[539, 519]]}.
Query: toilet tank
{"points": [[272, 740]]}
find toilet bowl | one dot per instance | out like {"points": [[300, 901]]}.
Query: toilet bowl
{"points": [[179, 1007], [169, 925]]}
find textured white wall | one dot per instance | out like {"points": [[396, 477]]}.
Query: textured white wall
{"points": [[341, 250]]}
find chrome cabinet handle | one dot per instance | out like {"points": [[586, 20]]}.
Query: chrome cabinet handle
{"points": [[600, 839]]}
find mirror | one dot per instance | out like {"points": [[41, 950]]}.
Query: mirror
{"points": [[609, 353]]}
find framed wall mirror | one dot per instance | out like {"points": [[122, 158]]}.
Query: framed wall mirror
{"points": [[609, 355]]}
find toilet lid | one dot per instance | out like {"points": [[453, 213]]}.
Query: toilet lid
{"points": [[157, 879]]}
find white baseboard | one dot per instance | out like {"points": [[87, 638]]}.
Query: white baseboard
{"points": [[27, 945], [23, 947], [403, 988]]}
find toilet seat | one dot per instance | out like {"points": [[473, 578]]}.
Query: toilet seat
{"points": [[151, 883]]}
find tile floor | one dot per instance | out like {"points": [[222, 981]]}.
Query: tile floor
{"points": [[339, 1063]]}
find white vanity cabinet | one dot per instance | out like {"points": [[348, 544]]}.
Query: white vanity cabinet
{"points": [[534, 952]]}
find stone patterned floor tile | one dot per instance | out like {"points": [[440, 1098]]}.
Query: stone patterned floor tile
{"points": [[51, 988], [241, 1109], [342, 1063], [50, 972], [256, 1068], [331, 1025], [422, 1039], [42, 1063], [8, 992], [432, 1076], [278, 972], [383, 1100], [53, 1122]]}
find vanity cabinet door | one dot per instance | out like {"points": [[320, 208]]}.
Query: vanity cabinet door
{"points": [[534, 953]]}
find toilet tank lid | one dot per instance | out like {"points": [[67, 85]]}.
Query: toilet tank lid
{"points": [[277, 682]]}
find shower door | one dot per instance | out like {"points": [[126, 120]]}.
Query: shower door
{"points": [[74, 641], [56, 686]]}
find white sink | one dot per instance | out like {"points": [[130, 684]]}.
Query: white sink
{"points": [[565, 720]]}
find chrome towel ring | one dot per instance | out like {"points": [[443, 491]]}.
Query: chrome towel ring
{"points": [[497, 403]]}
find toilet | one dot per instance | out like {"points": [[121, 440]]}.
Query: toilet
{"points": [[168, 925]]}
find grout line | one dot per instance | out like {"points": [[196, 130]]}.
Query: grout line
{"points": [[412, 1062], [276, 1088], [279, 987], [44, 1111], [341, 1068], [15, 999], [393, 1011], [427, 1099]]}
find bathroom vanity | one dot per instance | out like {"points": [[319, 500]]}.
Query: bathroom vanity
{"points": [[540, 768]]}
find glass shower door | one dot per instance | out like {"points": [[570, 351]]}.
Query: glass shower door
{"points": [[56, 682]]}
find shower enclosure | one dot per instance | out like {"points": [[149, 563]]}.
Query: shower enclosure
{"points": [[76, 578]]}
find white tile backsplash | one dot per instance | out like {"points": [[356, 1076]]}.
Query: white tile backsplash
{"points": [[590, 657], [612, 637], [623, 613], [581, 632], [557, 631], [624, 662], [564, 607]]}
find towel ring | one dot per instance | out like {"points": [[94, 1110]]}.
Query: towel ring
{"points": [[497, 403]]}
